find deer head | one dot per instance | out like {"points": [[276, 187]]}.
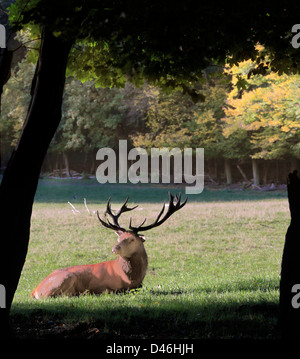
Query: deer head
{"points": [[129, 240]]}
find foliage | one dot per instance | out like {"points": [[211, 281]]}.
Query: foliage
{"points": [[92, 62], [114, 42], [13, 112], [91, 117], [258, 117], [186, 38], [266, 109], [173, 119], [167, 119]]}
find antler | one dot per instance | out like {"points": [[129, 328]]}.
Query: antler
{"points": [[172, 209], [116, 226]]}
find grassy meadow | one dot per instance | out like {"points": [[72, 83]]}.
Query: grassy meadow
{"points": [[214, 266]]}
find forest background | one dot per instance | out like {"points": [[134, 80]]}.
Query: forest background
{"points": [[247, 119]]}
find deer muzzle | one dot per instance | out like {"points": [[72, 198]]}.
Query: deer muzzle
{"points": [[115, 249]]}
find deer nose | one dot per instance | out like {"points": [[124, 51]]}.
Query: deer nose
{"points": [[115, 249]]}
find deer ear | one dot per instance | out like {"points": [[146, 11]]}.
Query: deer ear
{"points": [[118, 233], [142, 237]]}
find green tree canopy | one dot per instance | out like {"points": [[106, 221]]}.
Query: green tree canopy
{"points": [[116, 40]]}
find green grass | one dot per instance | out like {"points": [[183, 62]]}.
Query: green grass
{"points": [[213, 267]]}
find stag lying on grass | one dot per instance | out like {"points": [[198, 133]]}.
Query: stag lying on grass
{"points": [[125, 272]]}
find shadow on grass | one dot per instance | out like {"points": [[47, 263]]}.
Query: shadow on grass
{"points": [[237, 320]]}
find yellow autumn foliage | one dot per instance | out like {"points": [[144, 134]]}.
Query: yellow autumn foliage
{"points": [[267, 107]]}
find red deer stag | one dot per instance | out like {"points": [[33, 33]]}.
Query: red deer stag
{"points": [[125, 272]]}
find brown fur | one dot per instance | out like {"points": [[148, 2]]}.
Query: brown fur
{"points": [[127, 271]]}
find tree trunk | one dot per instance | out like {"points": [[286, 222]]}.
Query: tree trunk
{"points": [[228, 174], [93, 165], [242, 173], [57, 162], [215, 169], [294, 164], [289, 301], [266, 171], [277, 170], [255, 171], [21, 176], [67, 166]]}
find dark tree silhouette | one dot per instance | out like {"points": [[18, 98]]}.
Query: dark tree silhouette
{"points": [[20, 179], [290, 267]]}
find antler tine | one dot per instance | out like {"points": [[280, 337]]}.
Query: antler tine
{"points": [[109, 211], [136, 229], [109, 224], [171, 209], [130, 226], [124, 208], [108, 207], [115, 217], [178, 204]]}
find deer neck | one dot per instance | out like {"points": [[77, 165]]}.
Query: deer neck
{"points": [[134, 267]]}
